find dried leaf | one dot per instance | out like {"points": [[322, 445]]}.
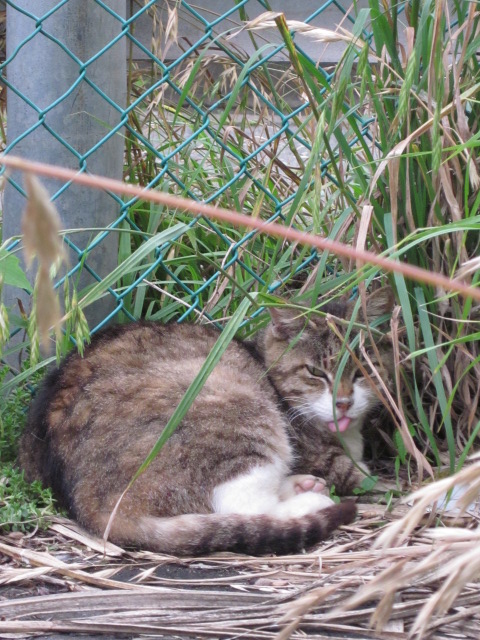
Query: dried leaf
{"points": [[468, 268], [41, 225], [47, 305], [266, 20], [41, 239]]}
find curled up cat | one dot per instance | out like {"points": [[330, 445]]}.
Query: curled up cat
{"points": [[248, 466]]}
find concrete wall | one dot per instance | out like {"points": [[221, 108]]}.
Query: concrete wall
{"points": [[43, 72], [191, 28]]}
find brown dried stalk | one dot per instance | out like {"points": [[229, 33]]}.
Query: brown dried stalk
{"points": [[240, 220], [41, 239]]}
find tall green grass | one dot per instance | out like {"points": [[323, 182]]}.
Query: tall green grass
{"points": [[384, 157], [420, 176], [393, 167]]}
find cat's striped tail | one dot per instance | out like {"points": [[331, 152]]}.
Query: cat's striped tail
{"points": [[202, 534]]}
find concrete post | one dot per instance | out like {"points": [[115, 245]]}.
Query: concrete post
{"points": [[42, 72]]}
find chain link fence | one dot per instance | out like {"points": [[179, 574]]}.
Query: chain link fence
{"points": [[214, 112]]}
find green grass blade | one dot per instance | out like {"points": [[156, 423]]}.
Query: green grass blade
{"points": [[401, 285], [436, 375], [134, 259], [25, 375], [196, 386]]}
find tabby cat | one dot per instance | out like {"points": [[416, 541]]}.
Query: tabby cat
{"points": [[243, 470]]}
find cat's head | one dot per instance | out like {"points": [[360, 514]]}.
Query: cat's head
{"points": [[303, 357]]}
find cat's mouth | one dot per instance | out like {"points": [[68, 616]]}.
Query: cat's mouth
{"points": [[343, 424]]}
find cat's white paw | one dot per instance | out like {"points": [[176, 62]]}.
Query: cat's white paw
{"points": [[301, 483], [302, 504]]}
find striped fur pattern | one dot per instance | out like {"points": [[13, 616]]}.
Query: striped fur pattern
{"points": [[241, 471]]}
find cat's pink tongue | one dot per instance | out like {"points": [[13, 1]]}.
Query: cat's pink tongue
{"points": [[342, 424]]}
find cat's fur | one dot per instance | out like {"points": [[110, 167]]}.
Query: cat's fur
{"points": [[223, 481], [326, 435]]}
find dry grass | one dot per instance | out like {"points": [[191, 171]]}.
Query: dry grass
{"points": [[424, 587], [61, 581], [453, 562], [385, 572], [41, 239]]}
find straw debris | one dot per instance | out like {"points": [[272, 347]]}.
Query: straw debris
{"points": [[64, 581], [451, 565]]}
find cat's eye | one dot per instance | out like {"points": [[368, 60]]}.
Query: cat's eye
{"points": [[318, 373]]}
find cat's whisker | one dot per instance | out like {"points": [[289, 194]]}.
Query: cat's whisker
{"points": [[298, 411]]}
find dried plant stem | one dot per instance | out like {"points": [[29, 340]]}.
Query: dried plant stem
{"points": [[240, 220]]}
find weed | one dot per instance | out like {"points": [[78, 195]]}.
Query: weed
{"points": [[12, 420], [383, 155], [23, 506]]}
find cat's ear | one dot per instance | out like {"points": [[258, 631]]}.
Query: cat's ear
{"points": [[286, 323], [380, 302]]}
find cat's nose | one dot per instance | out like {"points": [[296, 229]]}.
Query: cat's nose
{"points": [[343, 404]]}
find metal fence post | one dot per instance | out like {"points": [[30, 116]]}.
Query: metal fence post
{"points": [[44, 68]]}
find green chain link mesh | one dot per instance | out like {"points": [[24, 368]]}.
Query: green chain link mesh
{"points": [[229, 126]]}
